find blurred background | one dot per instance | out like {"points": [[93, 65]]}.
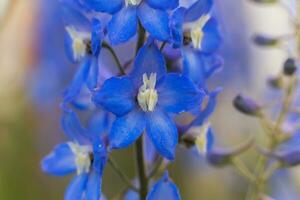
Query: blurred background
{"points": [[34, 73]]}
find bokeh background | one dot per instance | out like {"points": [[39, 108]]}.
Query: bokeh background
{"points": [[34, 72]]}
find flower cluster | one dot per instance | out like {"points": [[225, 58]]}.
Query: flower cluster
{"points": [[175, 55]]}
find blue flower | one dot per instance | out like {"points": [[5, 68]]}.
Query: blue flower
{"points": [[144, 100], [85, 155], [164, 189], [83, 43], [152, 15]]}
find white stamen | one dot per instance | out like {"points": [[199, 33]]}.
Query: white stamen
{"points": [[196, 31], [82, 157], [78, 42], [147, 96], [132, 2], [201, 139]]}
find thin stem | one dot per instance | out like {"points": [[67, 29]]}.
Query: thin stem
{"points": [[113, 53], [143, 180], [156, 167], [122, 176], [242, 169], [162, 46]]}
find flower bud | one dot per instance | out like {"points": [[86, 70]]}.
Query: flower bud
{"points": [[275, 82], [265, 1], [289, 159], [262, 40], [246, 105], [289, 67]]}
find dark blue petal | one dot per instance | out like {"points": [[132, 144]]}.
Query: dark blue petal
{"points": [[78, 81], [212, 39], [177, 27], [177, 93], [125, 130], [117, 95], [149, 60], [109, 6], [155, 21], [72, 127], [162, 132], [123, 25], [163, 4], [97, 35], [92, 80], [76, 188], [164, 189], [60, 161], [199, 8]]}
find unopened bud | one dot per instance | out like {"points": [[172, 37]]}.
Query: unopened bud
{"points": [[246, 105], [265, 1], [262, 40], [290, 67]]}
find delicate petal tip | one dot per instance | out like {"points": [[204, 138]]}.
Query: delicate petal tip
{"points": [[77, 187], [60, 161], [123, 25], [164, 189], [212, 38], [176, 22], [97, 36], [116, 95], [198, 9]]}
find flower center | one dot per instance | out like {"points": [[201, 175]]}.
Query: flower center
{"points": [[147, 96], [82, 157], [79, 39], [196, 31], [132, 2]]}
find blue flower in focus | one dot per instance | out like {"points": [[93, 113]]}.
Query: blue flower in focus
{"points": [[164, 189], [144, 100], [152, 14], [83, 43], [85, 155]]}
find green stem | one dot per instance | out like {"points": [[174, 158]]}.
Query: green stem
{"points": [[156, 168], [122, 176], [143, 180], [114, 55], [242, 169]]}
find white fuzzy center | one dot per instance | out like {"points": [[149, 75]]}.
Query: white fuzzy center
{"points": [[82, 157], [132, 2], [147, 96]]}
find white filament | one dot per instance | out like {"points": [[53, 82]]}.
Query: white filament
{"points": [[82, 157], [147, 96], [132, 2]]}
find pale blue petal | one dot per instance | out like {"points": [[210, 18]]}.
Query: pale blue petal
{"points": [[162, 132], [125, 130], [163, 4], [117, 95], [123, 25], [76, 188], [164, 189], [150, 152], [60, 162], [177, 93], [155, 21]]}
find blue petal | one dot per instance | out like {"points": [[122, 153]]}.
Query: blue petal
{"points": [[212, 38], [208, 110], [97, 35], [109, 6], [177, 93], [94, 184], [162, 132], [72, 127], [150, 152], [77, 187], [60, 161], [199, 8], [164, 189], [210, 139], [99, 124], [163, 4], [92, 80], [123, 25], [131, 195], [72, 17], [116, 95], [78, 81], [155, 21], [177, 27], [149, 60], [125, 130]]}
